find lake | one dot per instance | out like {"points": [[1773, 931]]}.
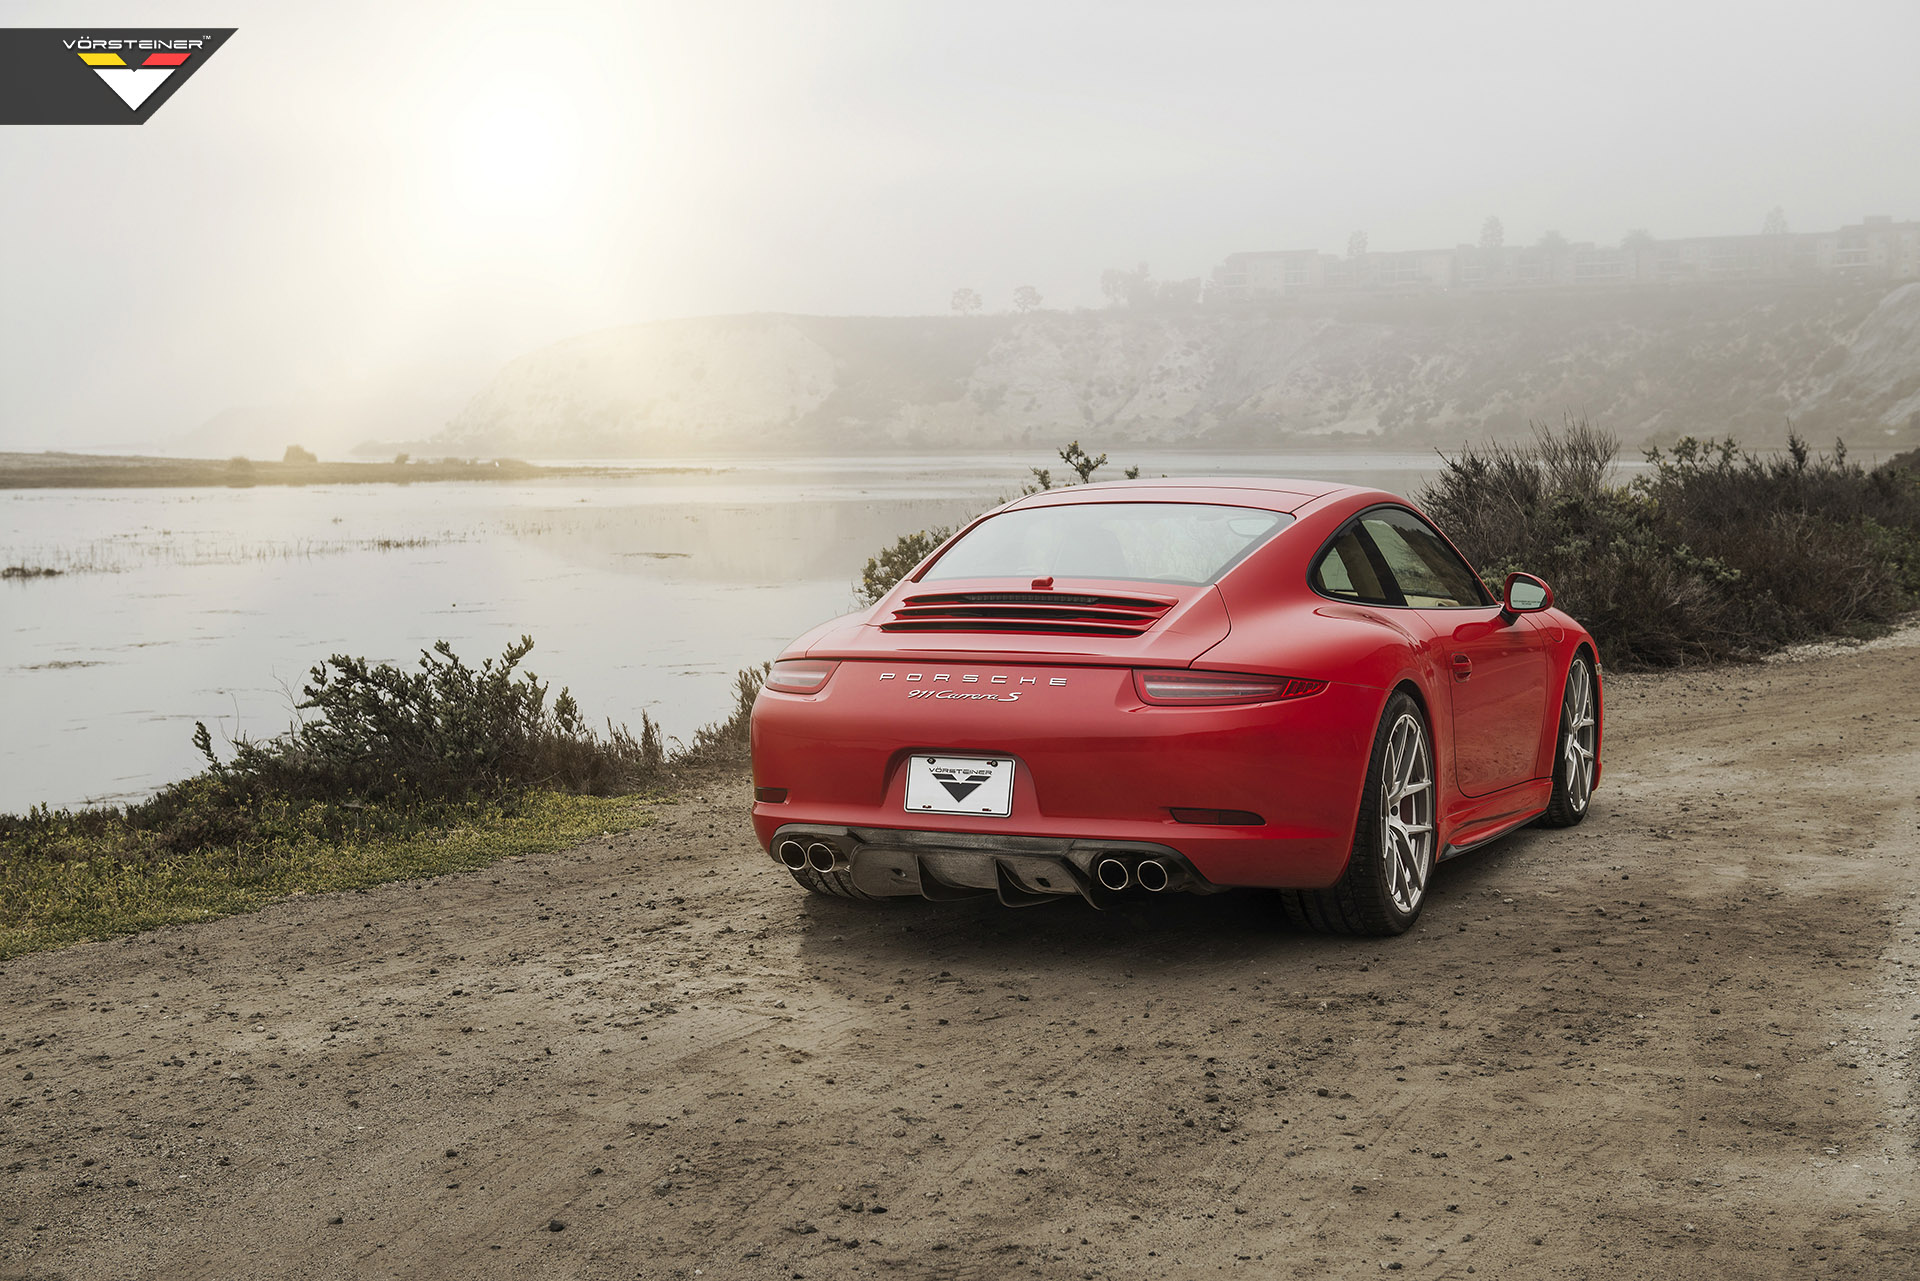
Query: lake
{"points": [[645, 589]]}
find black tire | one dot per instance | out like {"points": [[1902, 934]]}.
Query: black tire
{"points": [[1572, 788], [832, 884], [1365, 899]]}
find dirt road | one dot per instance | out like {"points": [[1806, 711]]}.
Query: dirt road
{"points": [[1674, 1042]]}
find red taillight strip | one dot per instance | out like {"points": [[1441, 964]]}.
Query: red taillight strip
{"points": [[1182, 687], [800, 675]]}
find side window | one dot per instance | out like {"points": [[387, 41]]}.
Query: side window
{"points": [[1346, 572], [1429, 573]]}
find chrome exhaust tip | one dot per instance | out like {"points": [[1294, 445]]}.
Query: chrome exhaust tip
{"points": [[822, 857], [792, 854], [1113, 874], [1152, 875]]}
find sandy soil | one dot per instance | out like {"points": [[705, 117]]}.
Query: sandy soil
{"points": [[1673, 1042]]}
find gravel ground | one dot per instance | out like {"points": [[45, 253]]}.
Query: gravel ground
{"points": [[1674, 1041]]}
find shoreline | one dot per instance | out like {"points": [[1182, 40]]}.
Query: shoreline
{"points": [[87, 471]]}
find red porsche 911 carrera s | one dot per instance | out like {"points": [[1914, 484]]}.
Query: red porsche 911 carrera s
{"points": [[1168, 685]]}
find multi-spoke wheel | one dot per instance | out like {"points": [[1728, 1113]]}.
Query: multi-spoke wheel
{"points": [[1577, 751], [1406, 814], [1393, 843]]}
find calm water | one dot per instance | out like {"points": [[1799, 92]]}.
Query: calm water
{"points": [[644, 591]]}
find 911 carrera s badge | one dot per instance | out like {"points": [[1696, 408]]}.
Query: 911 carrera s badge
{"points": [[970, 687], [960, 785]]}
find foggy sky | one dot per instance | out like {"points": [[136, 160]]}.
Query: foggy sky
{"points": [[353, 198]]}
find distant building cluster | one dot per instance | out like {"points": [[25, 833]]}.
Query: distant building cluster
{"points": [[1877, 249]]}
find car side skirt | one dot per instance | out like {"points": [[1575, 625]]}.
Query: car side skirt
{"points": [[1478, 820]]}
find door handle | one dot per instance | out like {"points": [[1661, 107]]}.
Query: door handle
{"points": [[1462, 667]]}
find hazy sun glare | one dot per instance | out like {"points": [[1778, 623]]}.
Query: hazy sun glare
{"points": [[514, 158]]}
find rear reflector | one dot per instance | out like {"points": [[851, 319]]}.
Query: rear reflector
{"points": [[1190, 688], [1218, 818], [774, 795], [800, 675]]}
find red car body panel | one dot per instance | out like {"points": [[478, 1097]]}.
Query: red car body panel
{"points": [[1094, 761]]}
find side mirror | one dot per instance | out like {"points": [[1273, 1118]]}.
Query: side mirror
{"points": [[1526, 594]]}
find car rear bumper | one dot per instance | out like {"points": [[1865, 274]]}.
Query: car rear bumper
{"points": [[1021, 871], [1095, 769]]}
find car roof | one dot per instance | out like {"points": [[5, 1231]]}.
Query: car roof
{"points": [[1274, 493]]}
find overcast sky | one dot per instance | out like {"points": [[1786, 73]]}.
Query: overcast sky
{"points": [[350, 199]]}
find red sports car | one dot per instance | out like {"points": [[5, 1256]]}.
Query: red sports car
{"points": [[1181, 685]]}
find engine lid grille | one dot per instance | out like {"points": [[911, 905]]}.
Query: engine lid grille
{"points": [[1061, 613]]}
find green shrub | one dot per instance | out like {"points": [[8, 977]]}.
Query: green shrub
{"points": [[897, 561], [390, 773], [379, 747], [1717, 553], [379, 732], [725, 742]]}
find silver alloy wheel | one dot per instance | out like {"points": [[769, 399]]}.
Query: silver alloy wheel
{"points": [[1406, 813], [1582, 731]]}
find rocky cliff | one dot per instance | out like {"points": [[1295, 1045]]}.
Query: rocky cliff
{"points": [[1395, 371]]}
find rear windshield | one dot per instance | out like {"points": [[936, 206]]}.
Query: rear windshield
{"points": [[1188, 543]]}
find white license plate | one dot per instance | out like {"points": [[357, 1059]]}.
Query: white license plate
{"points": [[960, 785]]}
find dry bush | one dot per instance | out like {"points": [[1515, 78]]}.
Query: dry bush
{"points": [[1717, 553]]}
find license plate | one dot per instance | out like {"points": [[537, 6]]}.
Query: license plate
{"points": [[960, 785]]}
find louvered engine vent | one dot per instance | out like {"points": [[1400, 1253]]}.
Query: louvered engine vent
{"points": [[1064, 613]]}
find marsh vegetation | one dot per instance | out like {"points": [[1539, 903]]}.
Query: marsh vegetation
{"points": [[391, 772]]}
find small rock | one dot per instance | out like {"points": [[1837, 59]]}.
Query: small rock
{"points": [[554, 1225]]}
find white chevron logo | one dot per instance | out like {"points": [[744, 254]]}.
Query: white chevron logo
{"points": [[134, 84]]}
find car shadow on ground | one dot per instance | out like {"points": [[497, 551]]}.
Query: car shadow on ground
{"points": [[1228, 931]]}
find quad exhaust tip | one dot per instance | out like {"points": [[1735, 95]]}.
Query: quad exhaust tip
{"points": [[822, 857], [1113, 874], [792, 854], [1152, 875]]}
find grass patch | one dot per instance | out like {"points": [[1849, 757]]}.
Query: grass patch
{"points": [[80, 885], [390, 774]]}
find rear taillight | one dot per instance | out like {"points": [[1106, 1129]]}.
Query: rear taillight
{"points": [[800, 675], [1203, 689]]}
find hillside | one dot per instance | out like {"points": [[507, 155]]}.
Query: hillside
{"points": [[1392, 371]]}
